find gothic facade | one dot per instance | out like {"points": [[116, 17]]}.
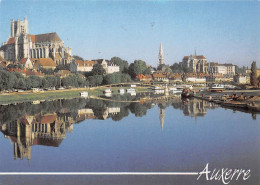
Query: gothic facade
{"points": [[21, 45], [198, 64]]}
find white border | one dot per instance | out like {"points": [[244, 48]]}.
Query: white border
{"points": [[97, 173]]}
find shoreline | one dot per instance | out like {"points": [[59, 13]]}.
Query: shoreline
{"points": [[19, 97], [251, 103]]}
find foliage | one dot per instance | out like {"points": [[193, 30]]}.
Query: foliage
{"points": [[46, 71], [123, 64], [36, 81], [253, 75], [164, 68], [177, 68], [98, 70], [95, 80], [62, 67], [116, 78], [240, 70], [49, 81], [136, 68]]}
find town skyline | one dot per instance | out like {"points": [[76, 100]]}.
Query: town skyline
{"points": [[241, 45]]}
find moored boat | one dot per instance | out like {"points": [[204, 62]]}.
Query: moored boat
{"points": [[107, 91], [130, 90], [84, 94], [217, 88], [121, 91], [187, 93]]}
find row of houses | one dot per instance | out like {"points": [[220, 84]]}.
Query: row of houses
{"points": [[75, 66], [87, 66], [193, 78]]}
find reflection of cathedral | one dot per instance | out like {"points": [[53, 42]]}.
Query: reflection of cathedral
{"points": [[47, 130], [194, 107]]}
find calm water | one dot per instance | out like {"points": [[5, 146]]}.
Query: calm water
{"points": [[87, 135]]}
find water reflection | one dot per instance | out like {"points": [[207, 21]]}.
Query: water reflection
{"points": [[46, 123]]}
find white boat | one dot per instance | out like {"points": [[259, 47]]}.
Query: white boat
{"points": [[133, 93], [108, 94], [107, 91], [121, 91], [217, 88], [131, 90], [158, 90], [84, 94], [175, 90]]}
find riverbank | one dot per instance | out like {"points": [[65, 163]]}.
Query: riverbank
{"points": [[27, 96], [241, 99]]}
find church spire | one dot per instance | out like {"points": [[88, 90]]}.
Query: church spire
{"points": [[161, 57], [161, 115]]}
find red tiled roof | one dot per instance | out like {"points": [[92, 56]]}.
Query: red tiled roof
{"points": [[48, 118], [200, 57], [45, 62], [86, 62], [47, 37], [22, 61], [158, 75], [11, 40]]}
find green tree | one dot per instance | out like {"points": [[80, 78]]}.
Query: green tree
{"points": [[36, 81], [28, 83], [123, 64], [21, 84], [253, 75], [98, 70], [147, 71], [136, 68]]}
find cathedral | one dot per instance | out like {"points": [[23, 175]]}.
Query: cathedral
{"points": [[21, 45]]}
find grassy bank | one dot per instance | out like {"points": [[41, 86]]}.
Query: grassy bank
{"points": [[58, 94], [25, 97]]}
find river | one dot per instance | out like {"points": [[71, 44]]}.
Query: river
{"points": [[89, 135]]}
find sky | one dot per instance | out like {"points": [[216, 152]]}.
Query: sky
{"points": [[223, 31]]}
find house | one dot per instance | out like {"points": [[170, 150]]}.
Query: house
{"points": [[159, 77], [221, 69], [26, 63], [81, 66], [108, 66], [142, 77], [46, 63], [242, 79]]}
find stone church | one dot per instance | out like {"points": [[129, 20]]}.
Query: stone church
{"points": [[21, 45]]}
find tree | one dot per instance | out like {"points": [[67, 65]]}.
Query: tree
{"points": [[76, 57], [116, 78], [28, 83], [240, 70], [136, 68], [123, 64], [253, 77], [98, 70], [36, 81], [147, 71], [21, 84]]}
